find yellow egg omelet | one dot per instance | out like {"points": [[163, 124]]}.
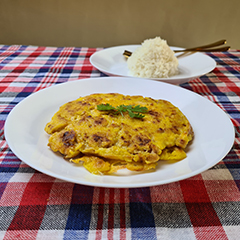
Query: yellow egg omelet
{"points": [[108, 140]]}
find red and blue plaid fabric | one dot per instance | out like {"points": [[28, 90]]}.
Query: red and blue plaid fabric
{"points": [[37, 206]]}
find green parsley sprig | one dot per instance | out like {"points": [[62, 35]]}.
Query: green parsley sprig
{"points": [[133, 111]]}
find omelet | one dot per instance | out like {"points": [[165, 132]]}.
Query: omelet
{"points": [[109, 139]]}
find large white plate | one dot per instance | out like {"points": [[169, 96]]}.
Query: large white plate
{"points": [[112, 62], [24, 131]]}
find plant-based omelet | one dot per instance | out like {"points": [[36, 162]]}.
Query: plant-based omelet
{"points": [[108, 139]]}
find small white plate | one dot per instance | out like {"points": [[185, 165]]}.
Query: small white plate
{"points": [[112, 62], [24, 132]]}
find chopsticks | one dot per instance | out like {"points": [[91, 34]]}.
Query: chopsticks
{"points": [[204, 48]]}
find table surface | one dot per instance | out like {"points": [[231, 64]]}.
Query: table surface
{"points": [[36, 206]]}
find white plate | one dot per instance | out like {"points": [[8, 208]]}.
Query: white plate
{"points": [[24, 131], [112, 62]]}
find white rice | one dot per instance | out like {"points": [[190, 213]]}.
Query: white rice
{"points": [[154, 59]]}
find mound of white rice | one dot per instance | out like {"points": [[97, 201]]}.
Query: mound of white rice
{"points": [[154, 59]]}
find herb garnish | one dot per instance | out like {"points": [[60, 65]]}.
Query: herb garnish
{"points": [[133, 111]]}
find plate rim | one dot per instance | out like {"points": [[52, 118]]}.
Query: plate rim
{"points": [[110, 185]]}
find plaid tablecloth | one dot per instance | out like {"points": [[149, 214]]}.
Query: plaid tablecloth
{"points": [[37, 206]]}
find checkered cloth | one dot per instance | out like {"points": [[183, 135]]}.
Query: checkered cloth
{"points": [[37, 206]]}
